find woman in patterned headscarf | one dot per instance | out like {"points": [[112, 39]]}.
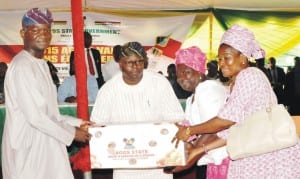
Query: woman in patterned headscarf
{"points": [[208, 96], [249, 92]]}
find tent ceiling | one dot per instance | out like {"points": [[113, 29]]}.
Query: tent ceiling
{"points": [[286, 5]]}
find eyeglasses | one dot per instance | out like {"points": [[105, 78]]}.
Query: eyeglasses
{"points": [[137, 63], [36, 31]]}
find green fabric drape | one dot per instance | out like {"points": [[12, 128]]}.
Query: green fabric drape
{"points": [[276, 32]]}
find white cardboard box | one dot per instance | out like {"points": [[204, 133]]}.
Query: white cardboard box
{"points": [[144, 145]]}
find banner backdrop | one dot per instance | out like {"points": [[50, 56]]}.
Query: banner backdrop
{"points": [[161, 36]]}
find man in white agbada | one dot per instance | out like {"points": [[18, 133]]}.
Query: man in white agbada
{"points": [[35, 134], [136, 95]]}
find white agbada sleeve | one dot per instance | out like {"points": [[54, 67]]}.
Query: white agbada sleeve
{"points": [[169, 105], [70, 120], [103, 106]]}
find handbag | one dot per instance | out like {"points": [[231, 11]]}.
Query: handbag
{"points": [[267, 130]]}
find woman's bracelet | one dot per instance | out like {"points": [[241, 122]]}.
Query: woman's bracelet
{"points": [[188, 131]]}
